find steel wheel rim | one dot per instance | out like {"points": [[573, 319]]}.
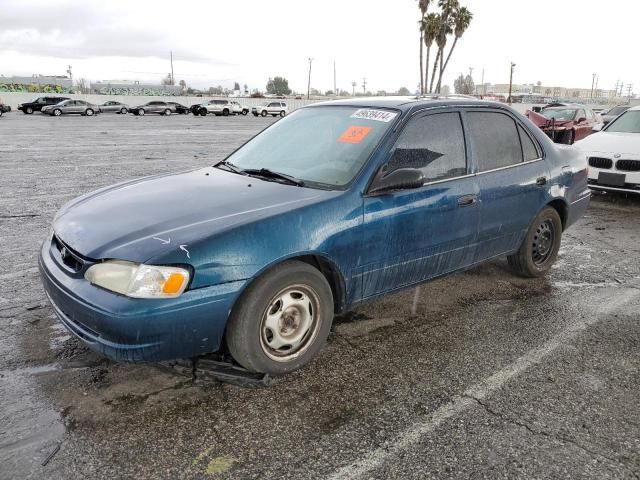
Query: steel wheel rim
{"points": [[543, 242], [290, 323]]}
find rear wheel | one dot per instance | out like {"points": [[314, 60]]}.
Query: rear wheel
{"points": [[141, 111], [282, 113], [89, 112], [569, 137], [28, 110], [282, 320], [225, 112], [540, 247], [244, 112], [203, 112], [123, 111], [167, 112]]}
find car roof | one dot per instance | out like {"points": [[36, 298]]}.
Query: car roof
{"points": [[410, 103], [635, 109]]}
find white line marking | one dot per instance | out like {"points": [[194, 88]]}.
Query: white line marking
{"points": [[164, 242], [184, 249], [480, 390]]}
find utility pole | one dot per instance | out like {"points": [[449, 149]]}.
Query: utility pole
{"points": [[335, 87], [511, 82], [353, 85], [484, 89], [593, 82], [629, 90], [595, 91], [309, 83], [364, 86], [70, 77], [173, 80]]}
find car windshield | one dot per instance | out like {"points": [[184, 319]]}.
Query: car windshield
{"points": [[323, 145], [628, 122], [617, 111], [559, 113]]}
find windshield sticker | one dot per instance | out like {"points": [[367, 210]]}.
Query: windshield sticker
{"points": [[354, 134], [377, 115]]}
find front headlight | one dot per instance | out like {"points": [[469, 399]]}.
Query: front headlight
{"points": [[139, 280]]}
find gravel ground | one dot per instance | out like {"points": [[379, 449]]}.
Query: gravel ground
{"points": [[493, 377]]}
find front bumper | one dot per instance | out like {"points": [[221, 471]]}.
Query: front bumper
{"points": [[137, 330]]}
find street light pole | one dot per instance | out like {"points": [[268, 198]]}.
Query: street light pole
{"points": [[511, 82], [309, 83]]}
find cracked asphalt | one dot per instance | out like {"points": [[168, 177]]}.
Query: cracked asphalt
{"points": [[493, 377]]}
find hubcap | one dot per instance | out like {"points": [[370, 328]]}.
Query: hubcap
{"points": [[290, 323], [543, 241]]}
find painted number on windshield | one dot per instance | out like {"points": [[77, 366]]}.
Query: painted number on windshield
{"points": [[378, 115], [354, 134]]}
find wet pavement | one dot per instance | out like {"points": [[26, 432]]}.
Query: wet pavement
{"points": [[493, 377]]}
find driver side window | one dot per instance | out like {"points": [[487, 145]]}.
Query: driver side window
{"points": [[433, 144]]}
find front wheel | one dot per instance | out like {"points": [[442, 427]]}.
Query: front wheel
{"points": [[540, 247], [264, 113], [28, 110], [141, 111], [225, 113], [282, 320], [89, 112], [282, 113], [244, 112], [57, 112], [569, 137], [204, 112], [167, 112], [123, 111]]}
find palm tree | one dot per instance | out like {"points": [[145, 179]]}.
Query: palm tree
{"points": [[423, 5], [448, 7], [430, 27], [461, 19], [444, 29]]}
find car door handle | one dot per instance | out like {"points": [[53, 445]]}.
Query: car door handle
{"points": [[466, 200], [541, 181]]}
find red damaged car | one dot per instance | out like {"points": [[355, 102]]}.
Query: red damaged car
{"points": [[565, 123]]}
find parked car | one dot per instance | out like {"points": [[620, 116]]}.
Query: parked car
{"points": [[67, 107], [40, 102], [179, 108], [271, 108], [217, 107], [114, 107], [162, 108], [4, 109], [337, 204], [614, 154], [614, 112], [195, 109], [565, 123], [239, 109]]}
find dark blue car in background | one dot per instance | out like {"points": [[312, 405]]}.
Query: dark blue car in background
{"points": [[334, 205]]}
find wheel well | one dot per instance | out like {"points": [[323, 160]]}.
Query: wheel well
{"points": [[561, 208], [333, 276]]}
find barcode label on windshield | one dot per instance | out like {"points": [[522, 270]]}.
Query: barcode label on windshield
{"points": [[377, 115]]}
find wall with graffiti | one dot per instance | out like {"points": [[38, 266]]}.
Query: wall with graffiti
{"points": [[33, 88], [136, 89]]}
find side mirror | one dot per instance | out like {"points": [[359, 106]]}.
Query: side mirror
{"points": [[597, 127], [400, 179]]}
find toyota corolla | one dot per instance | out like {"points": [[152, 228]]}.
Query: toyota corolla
{"points": [[334, 205]]}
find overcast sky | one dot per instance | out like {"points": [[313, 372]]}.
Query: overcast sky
{"points": [[557, 42]]}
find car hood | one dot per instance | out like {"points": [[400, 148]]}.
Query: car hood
{"points": [[142, 219], [614, 142]]}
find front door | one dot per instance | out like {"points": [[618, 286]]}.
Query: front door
{"points": [[413, 235]]}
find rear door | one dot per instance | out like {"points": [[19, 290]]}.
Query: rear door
{"points": [[412, 235], [512, 177]]}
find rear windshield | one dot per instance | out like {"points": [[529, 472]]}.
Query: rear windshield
{"points": [[628, 122], [559, 113], [615, 111], [323, 145]]}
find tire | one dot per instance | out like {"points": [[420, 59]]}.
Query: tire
{"points": [[540, 247], [167, 112], [264, 113], [1, 112], [124, 111], [141, 112], [28, 110], [204, 112], [57, 112], [569, 137], [282, 113], [245, 112], [250, 338], [225, 112], [88, 112]]}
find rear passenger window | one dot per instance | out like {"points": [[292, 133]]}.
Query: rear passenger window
{"points": [[433, 144], [529, 150], [494, 140]]}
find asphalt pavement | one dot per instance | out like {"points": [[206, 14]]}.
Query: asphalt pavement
{"points": [[494, 376]]}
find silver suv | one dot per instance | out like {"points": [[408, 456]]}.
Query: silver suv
{"points": [[271, 108], [217, 107]]}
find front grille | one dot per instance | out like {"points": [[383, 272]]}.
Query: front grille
{"points": [[70, 258], [628, 165], [599, 162]]}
